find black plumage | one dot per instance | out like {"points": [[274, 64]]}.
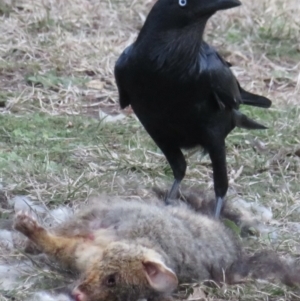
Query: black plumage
{"points": [[182, 90]]}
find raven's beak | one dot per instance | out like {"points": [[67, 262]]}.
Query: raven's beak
{"points": [[213, 6], [226, 4]]}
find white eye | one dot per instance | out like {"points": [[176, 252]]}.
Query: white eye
{"points": [[182, 3]]}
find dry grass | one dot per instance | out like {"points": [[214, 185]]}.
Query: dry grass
{"points": [[56, 73]]}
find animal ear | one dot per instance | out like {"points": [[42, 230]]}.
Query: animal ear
{"points": [[160, 277]]}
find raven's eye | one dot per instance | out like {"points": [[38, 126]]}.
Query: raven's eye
{"points": [[111, 281], [182, 3]]}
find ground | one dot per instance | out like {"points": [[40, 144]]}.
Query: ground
{"points": [[64, 138]]}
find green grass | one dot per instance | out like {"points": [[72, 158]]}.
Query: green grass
{"points": [[272, 42], [275, 168], [60, 150], [52, 80], [45, 147]]}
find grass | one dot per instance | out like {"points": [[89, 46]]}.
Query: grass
{"points": [[56, 74], [58, 150]]}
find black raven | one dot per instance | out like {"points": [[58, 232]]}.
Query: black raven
{"points": [[182, 90]]}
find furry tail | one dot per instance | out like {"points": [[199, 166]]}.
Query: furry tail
{"points": [[242, 121], [267, 265]]}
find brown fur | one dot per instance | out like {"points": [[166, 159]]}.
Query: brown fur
{"points": [[133, 250]]}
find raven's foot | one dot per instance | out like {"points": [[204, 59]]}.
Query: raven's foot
{"points": [[172, 195], [219, 206]]}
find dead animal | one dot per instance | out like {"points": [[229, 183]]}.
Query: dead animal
{"points": [[130, 250]]}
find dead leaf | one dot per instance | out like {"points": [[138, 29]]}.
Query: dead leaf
{"points": [[142, 16], [238, 173], [95, 84], [69, 125], [197, 295], [259, 145], [110, 118]]}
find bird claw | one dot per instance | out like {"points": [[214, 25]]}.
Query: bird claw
{"points": [[219, 206]]}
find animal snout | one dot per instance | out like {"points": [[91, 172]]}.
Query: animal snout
{"points": [[78, 295]]}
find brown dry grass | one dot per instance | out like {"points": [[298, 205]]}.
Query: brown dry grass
{"points": [[56, 73]]}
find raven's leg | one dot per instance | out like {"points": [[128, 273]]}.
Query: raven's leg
{"points": [[178, 164], [173, 191], [218, 158]]}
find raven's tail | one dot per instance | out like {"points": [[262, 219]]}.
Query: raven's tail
{"points": [[254, 99], [242, 121]]}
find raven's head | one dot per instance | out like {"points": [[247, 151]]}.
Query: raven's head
{"points": [[172, 14]]}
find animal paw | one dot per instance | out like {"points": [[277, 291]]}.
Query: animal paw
{"points": [[26, 224]]}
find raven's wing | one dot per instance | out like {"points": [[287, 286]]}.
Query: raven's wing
{"points": [[225, 87], [252, 99], [223, 83], [120, 71]]}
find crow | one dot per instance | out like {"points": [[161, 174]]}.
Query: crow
{"points": [[182, 90]]}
